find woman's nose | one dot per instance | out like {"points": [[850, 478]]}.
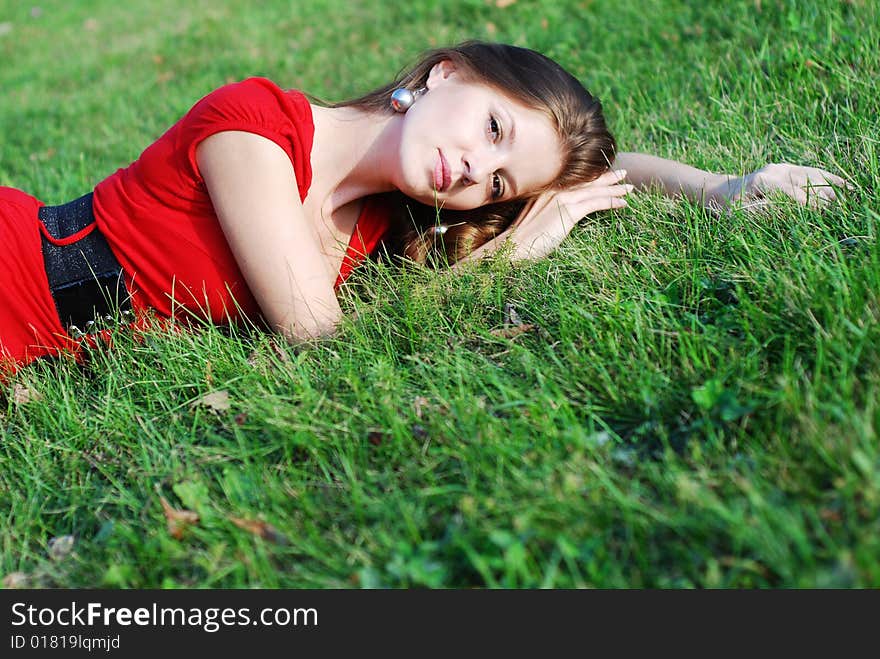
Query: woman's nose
{"points": [[478, 166]]}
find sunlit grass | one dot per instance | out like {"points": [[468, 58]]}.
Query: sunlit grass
{"points": [[697, 404]]}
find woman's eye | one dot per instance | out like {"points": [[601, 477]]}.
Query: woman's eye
{"points": [[494, 129], [497, 186]]}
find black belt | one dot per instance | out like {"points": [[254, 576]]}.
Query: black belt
{"points": [[85, 278]]}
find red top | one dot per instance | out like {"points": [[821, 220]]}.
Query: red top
{"points": [[158, 219]]}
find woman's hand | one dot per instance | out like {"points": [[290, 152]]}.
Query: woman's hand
{"points": [[809, 186], [545, 223]]}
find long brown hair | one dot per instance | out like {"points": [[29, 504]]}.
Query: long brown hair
{"points": [[523, 75]]}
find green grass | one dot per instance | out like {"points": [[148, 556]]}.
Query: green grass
{"points": [[697, 408]]}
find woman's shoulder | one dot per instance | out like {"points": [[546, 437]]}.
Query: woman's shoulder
{"points": [[255, 105], [255, 92], [259, 83]]}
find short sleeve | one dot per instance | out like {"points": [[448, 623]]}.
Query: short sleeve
{"points": [[254, 105]]}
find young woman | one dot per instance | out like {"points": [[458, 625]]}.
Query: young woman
{"points": [[257, 204]]}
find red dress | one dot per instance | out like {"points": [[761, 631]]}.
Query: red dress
{"points": [[158, 220]]}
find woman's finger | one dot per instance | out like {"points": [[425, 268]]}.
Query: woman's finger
{"points": [[608, 178], [833, 179], [604, 192], [575, 192], [597, 203], [825, 193], [798, 193], [823, 196], [602, 204], [836, 180]]}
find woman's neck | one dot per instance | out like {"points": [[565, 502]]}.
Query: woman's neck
{"points": [[353, 154]]}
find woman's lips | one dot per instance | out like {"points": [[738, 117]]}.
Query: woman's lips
{"points": [[442, 175]]}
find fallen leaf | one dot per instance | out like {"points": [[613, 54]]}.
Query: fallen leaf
{"points": [[218, 401], [22, 394], [15, 580], [376, 437], [240, 418], [177, 519], [511, 332], [209, 376], [491, 29], [419, 404], [260, 529], [90, 24], [60, 547], [501, 4], [511, 317], [280, 352], [258, 358]]}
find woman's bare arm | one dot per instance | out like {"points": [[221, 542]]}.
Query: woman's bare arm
{"points": [[253, 189], [673, 178], [807, 185], [545, 223]]}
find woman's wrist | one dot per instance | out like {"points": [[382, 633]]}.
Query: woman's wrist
{"points": [[676, 179], [721, 189]]}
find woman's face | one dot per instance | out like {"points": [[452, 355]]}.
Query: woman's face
{"points": [[465, 145]]}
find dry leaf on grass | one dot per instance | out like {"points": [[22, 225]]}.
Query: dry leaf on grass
{"points": [[376, 437], [259, 528], [15, 580], [501, 4], [419, 405], [177, 519], [217, 401], [22, 394], [260, 359], [280, 352], [511, 332], [511, 317], [60, 547]]}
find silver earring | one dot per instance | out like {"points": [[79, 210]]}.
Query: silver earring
{"points": [[439, 229], [402, 98]]}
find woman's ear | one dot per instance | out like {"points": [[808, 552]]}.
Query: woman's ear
{"points": [[440, 72]]}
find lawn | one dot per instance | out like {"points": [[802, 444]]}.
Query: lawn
{"points": [[696, 404]]}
